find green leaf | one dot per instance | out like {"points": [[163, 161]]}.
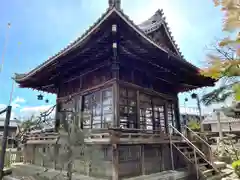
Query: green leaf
{"points": [[236, 89], [218, 95]]}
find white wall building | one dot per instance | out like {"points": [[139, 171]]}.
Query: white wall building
{"points": [[227, 123]]}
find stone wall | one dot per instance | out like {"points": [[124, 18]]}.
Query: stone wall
{"points": [[147, 159], [96, 160]]}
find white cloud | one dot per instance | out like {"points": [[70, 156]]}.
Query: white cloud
{"points": [[35, 110], [16, 102]]}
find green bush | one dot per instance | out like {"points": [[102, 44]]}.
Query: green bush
{"points": [[194, 125], [236, 167]]}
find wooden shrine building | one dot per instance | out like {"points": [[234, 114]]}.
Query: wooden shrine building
{"points": [[126, 77]]}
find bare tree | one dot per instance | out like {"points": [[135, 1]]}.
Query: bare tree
{"points": [[71, 137]]}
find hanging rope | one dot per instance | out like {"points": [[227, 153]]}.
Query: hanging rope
{"points": [[5, 46], [13, 82]]}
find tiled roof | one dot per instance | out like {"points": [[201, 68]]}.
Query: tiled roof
{"points": [[154, 23], [80, 40]]}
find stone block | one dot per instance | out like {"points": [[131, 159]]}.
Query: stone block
{"points": [[220, 165]]}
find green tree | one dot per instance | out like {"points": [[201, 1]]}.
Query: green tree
{"points": [[223, 64]]}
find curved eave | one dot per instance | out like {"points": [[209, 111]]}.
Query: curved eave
{"points": [[207, 82], [24, 77], [159, 20]]}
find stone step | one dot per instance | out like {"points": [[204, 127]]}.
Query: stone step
{"points": [[220, 165], [215, 177], [202, 166], [208, 172]]}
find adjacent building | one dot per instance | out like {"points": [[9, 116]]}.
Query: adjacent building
{"points": [[228, 124], [12, 130]]}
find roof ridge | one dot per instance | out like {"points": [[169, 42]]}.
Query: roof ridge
{"points": [[91, 29], [161, 12], [150, 25]]}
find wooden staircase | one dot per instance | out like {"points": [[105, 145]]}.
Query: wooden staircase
{"points": [[202, 163]]}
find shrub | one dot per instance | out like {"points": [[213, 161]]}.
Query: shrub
{"points": [[194, 125], [236, 167]]}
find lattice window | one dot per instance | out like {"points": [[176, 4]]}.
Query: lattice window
{"points": [[97, 108], [107, 112], [146, 112], [159, 114], [67, 111], [171, 115], [128, 109]]}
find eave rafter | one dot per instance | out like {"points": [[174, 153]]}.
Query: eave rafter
{"points": [[92, 50], [155, 71], [100, 50], [143, 46]]}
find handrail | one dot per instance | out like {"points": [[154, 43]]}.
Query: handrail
{"points": [[186, 139], [3, 111], [205, 142], [196, 148], [198, 136]]}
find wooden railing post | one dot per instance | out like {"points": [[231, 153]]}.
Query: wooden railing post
{"points": [[4, 140], [143, 159], [171, 148], [115, 156], [196, 163]]}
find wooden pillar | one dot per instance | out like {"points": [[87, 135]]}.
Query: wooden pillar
{"points": [[138, 110], [115, 63], [162, 158], [143, 160], [33, 154], [79, 122], [177, 115], [115, 75], [57, 116], [153, 116], [166, 116], [116, 104], [43, 152], [115, 157], [56, 155]]}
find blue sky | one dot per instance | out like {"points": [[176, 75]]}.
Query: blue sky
{"points": [[44, 27]]}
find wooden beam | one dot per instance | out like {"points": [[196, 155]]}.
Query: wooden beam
{"points": [[128, 34], [146, 90], [84, 51], [89, 90], [78, 67], [160, 72]]}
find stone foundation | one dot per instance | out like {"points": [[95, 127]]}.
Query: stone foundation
{"points": [[26, 170], [132, 161]]}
